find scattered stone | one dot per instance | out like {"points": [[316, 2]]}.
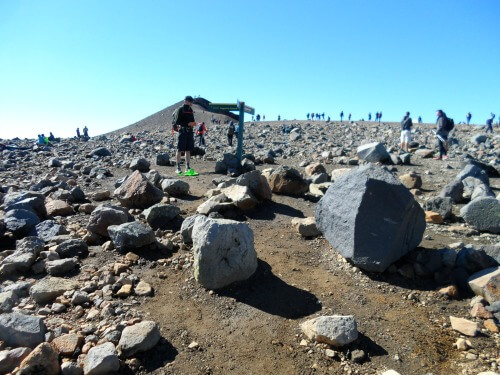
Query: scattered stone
{"points": [[44, 359], [306, 227], [143, 289], [433, 217], [101, 360], [21, 330], [58, 208], [464, 326], [139, 164], [138, 192], [335, 330], [131, 236], [373, 152], [288, 181], [60, 266], [411, 180], [442, 205], [10, 359], [48, 229], [486, 283], [104, 216], [483, 213], [175, 187], [140, 337], [159, 215], [49, 288]]}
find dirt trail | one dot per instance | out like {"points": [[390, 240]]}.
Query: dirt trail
{"points": [[253, 327]]}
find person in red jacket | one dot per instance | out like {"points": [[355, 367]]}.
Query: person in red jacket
{"points": [[201, 130]]}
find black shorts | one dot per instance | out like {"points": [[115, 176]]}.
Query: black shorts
{"points": [[185, 142]]}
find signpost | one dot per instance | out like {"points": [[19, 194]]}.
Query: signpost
{"points": [[242, 108]]}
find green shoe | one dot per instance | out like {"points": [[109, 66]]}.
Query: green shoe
{"points": [[190, 172]]}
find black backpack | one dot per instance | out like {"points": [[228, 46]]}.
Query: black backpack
{"points": [[449, 124]]}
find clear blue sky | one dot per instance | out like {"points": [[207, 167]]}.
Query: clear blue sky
{"points": [[107, 64]]}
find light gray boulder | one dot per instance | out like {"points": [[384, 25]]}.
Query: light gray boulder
{"points": [[21, 260], [223, 252], [139, 337], [187, 227], [131, 236], [370, 218], [104, 216], [335, 330], [101, 360], [175, 187], [472, 170], [21, 330], [483, 213], [10, 359], [373, 152]]}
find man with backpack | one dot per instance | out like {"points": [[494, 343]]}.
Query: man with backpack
{"points": [[444, 126], [468, 117], [406, 125], [230, 133], [183, 123], [200, 132]]}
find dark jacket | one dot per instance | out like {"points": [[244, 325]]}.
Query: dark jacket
{"points": [[185, 115], [441, 122], [406, 123]]}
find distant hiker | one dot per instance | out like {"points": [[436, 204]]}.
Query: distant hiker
{"points": [[349, 117], [379, 117], [51, 137], [328, 119], [85, 133], [308, 116], [468, 117], [230, 133], [78, 132], [279, 118], [312, 116], [341, 116], [443, 129], [323, 116], [489, 123], [183, 123], [200, 132], [369, 116], [376, 117], [257, 117], [41, 139], [419, 119], [406, 125], [264, 117]]}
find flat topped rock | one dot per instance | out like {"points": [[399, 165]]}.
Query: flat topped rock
{"points": [[49, 288], [21, 330], [464, 326]]}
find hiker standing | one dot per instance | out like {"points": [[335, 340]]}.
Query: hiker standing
{"points": [[442, 134], [419, 119], [379, 116], [489, 123], [406, 125], [341, 115], [200, 132], [183, 123], [468, 117], [369, 116], [231, 129], [349, 117], [78, 132]]}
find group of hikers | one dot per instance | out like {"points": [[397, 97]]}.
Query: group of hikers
{"points": [[85, 136], [444, 125], [43, 140]]}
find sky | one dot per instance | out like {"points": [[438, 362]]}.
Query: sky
{"points": [[107, 64]]}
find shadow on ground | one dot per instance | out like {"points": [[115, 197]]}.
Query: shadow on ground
{"points": [[269, 210], [162, 354], [267, 292]]}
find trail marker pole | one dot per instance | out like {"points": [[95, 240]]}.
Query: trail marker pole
{"points": [[242, 108]]}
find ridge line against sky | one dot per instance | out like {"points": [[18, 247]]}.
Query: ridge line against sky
{"points": [[106, 65]]}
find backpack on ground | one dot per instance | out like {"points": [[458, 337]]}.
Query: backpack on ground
{"points": [[449, 124]]}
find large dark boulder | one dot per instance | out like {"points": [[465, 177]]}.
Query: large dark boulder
{"points": [[138, 192], [287, 181], [471, 170], [441, 205], [490, 170], [370, 218]]}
